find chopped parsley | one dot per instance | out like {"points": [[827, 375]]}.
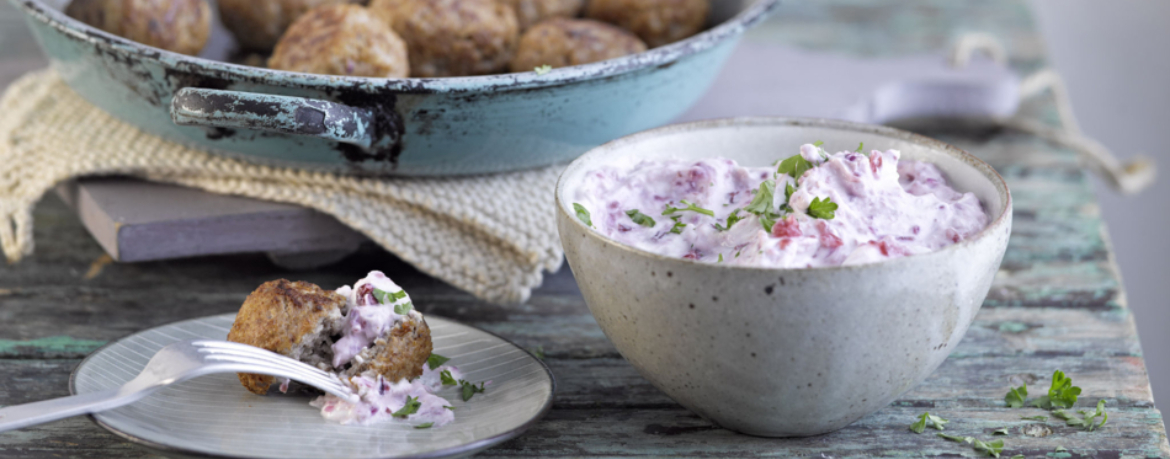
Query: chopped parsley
{"points": [[818, 143], [860, 146], [538, 352], [1000, 431], [542, 69], [426, 425], [992, 448], [822, 209], [927, 418], [640, 218], [385, 297], [411, 407], [436, 361], [761, 205], [404, 308], [469, 389], [447, 379], [731, 220], [721, 258], [583, 214], [678, 226], [1015, 397], [449, 407], [788, 190], [1018, 456], [794, 166], [1087, 421], [689, 206], [1041, 418]]}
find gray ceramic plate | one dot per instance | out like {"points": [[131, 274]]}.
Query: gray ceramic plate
{"points": [[214, 416]]}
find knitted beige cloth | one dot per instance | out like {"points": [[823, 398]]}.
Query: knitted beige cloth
{"points": [[494, 248]]}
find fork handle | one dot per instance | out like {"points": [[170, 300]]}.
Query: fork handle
{"points": [[20, 416]]}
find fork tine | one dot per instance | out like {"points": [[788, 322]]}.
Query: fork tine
{"points": [[285, 371], [246, 350], [268, 357]]}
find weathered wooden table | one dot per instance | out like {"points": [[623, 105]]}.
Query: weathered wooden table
{"points": [[1057, 302]]}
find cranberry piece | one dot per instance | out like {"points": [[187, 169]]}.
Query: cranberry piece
{"points": [[787, 227]]}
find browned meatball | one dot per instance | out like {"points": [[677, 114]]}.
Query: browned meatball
{"points": [[341, 40], [531, 12], [181, 26], [563, 42], [657, 22], [453, 37], [258, 24]]}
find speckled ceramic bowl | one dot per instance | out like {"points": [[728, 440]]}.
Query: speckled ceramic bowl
{"points": [[784, 352]]}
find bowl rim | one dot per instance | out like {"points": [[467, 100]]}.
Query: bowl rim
{"points": [[661, 56], [1004, 217]]}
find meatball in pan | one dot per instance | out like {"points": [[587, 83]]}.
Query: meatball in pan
{"points": [[565, 42], [657, 22], [259, 24], [181, 26], [448, 38], [341, 40]]}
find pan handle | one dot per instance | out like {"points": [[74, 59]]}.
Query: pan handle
{"points": [[267, 112]]}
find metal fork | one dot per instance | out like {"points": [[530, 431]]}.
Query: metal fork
{"points": [[176, 362]]}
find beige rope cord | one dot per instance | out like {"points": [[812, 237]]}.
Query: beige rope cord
{"points": [[443, 226]]}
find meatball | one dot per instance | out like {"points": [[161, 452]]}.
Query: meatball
{"points": [[258, 24], [453, 37], [341, 40], [564, 42], [657, 22], [531, 12], [181, 26], [294, 319]]}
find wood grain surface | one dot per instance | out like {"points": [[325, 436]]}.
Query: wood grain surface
{"points": [[1057, 302]]}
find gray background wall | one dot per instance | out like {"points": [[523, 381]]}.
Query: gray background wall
{"points": [[1115, 58]]}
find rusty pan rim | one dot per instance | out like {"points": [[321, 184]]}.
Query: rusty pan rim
{"points": [[658, 57]]}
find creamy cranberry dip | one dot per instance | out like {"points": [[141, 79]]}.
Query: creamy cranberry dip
{"points": [[810, 210], [375, 305], [370, 317]]}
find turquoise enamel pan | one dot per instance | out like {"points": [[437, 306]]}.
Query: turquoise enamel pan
{"points": [[378, 126]]}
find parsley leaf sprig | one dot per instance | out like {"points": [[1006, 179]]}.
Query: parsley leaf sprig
{"points": [[640, 218], [689, 206], [822, 209], [469, 389], [794, 166], [411, 407], [436, 361], [934, 421], [732, 219], [425, 425], [1087, 419], [1016, 397], [992, 448], [404, 308], [583, 214], [761, 205], [385, 297], [447, 378], [1061, 394]]}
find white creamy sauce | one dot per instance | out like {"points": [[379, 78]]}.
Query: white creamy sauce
{"points": [[367, 319], [886, 209], [380, 399]]}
